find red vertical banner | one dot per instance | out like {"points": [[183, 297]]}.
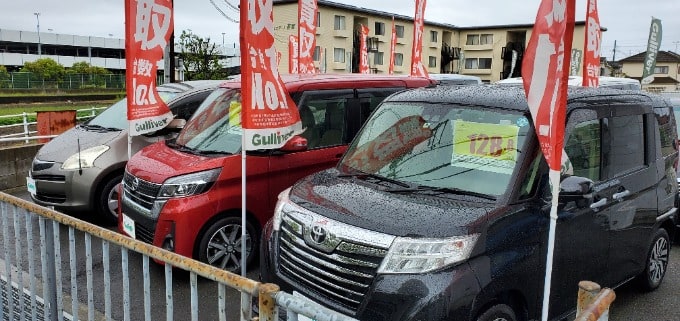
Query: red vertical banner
{"points": [[545, 73], [269, 115], [393, 45], [364, 68], [417, 67], [307, 10], [591, 57], [148, 26], [293, 62]]}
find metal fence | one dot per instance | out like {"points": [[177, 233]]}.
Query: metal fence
{"points": [[29, 80], [56, 267], [24, 129]]}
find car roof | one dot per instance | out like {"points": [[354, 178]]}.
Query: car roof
{"points": [[512, 97], [454, 76], [578, 81], [295, 82]]}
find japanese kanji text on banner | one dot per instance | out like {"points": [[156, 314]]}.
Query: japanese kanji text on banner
{"points": [[269, 115], [364, 68], [149, 24], [307, 10], [591, 58], [417, 67]]}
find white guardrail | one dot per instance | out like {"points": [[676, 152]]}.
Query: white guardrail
{"points": [[24, 132]]}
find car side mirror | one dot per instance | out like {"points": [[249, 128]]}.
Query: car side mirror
{"points": [[295, 144], [177, 123], [576, 189]]}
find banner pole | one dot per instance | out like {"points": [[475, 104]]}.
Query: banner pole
{"points": [[243, 205], [555, 187]]}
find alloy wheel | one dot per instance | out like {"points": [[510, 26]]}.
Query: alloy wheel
{"points": [[224, 247], [658, 260]]}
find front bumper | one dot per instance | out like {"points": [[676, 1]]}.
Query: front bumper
{"points": [[443, 295], [65, 190]]}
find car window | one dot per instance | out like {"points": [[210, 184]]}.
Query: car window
{"points": [[116, 115], [186, 108], [626, 150], [667, 130], [583, 143], [322, 113]]}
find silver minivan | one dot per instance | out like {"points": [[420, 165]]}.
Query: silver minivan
{"points": [[78, 170]]}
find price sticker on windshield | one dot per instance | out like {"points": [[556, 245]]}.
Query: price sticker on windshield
{"points": [[484, 146]]}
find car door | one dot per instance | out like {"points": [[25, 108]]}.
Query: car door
{"points": [[629, 160], [581, 237], [323, 114]]}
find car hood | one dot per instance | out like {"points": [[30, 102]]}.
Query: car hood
{"points": [[77, 138], [365, 205], [157, 162]]}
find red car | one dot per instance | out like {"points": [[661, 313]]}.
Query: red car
{"points": [[185, 194]]}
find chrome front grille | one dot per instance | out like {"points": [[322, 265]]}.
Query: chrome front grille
{"points": [[342, 274], [139, 191]]}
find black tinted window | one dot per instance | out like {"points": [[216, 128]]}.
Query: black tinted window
{"points": [[583, 144], [626, 149]]}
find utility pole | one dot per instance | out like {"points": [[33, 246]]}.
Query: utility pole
{"points": [[614, 55], [37, 17], [676, 45]]}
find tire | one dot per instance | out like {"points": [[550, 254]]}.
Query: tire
{"points": [[498, 312], [656, 262], [220, 244], [107, 200]]}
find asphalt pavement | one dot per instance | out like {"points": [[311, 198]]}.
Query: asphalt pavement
{"points": [[630, 304]]}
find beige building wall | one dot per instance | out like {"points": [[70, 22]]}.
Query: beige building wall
{"points": [[328, 39], [635, 69]]}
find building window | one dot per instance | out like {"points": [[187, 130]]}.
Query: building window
{"points": [[398, 59], [317, 53], [378, 58], [339, 23], [478, 63], [661, 69], [339, 55], [379, 29], [399, 30], [486, 39], [432, 61], [433, 36], [472, 40], [318, 19]]}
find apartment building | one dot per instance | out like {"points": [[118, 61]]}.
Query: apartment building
{"points": [[484, 51], [666, 72]]}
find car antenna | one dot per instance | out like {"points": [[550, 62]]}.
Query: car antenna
{"points": [[80, 165]]}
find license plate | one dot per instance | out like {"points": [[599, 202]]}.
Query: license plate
{"points": [[300, 316], [128, 226], [30, 185]]}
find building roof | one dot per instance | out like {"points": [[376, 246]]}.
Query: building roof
{"points": [[662, 56], [661, 80], [410, 18]]}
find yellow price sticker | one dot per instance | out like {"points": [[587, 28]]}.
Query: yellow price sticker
{"points": [[489, 146]]}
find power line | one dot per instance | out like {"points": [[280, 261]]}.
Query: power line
{"points": [[223, 13]]}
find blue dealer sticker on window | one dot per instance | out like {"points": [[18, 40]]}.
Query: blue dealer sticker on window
{"points": [[522, 122]]}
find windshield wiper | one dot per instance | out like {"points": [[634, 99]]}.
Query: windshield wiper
{"points": [[99, 128], [439, 190], [374, 178], [193, 151]]}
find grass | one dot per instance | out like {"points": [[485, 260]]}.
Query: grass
{"points": [[17, 109]]}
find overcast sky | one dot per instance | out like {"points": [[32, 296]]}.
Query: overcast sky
{"points": [[627, 21]]}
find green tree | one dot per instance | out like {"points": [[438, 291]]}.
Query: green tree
{"points": [[46, 68], [83, 67], [201, 58], [4, 77]]}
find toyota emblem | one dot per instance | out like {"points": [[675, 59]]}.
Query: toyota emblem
{"points": [[318, 234], [135, 184]]}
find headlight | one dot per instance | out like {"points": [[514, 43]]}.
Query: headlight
{"points": [[190, 184], [418, 255], [281, 205], [84, 159]]}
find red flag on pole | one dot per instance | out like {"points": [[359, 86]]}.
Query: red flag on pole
{"points": [[307, 10], [269, 115], [364, 68], [293, 62], [591, 58], [545, 73], [417, 67], [393, 45], [148, 26]]}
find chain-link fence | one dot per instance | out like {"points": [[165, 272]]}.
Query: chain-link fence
{"points": [[28, 80]]}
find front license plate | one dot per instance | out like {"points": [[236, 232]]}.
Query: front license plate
{"points": [[128, 226], [30, 185]]}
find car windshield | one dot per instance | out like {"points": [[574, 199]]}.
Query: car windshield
{"points": [[115, 117], [454, 147], [216, 125]]}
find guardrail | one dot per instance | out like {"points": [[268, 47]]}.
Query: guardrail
{"points": [[24, 131], [33, 265]]}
